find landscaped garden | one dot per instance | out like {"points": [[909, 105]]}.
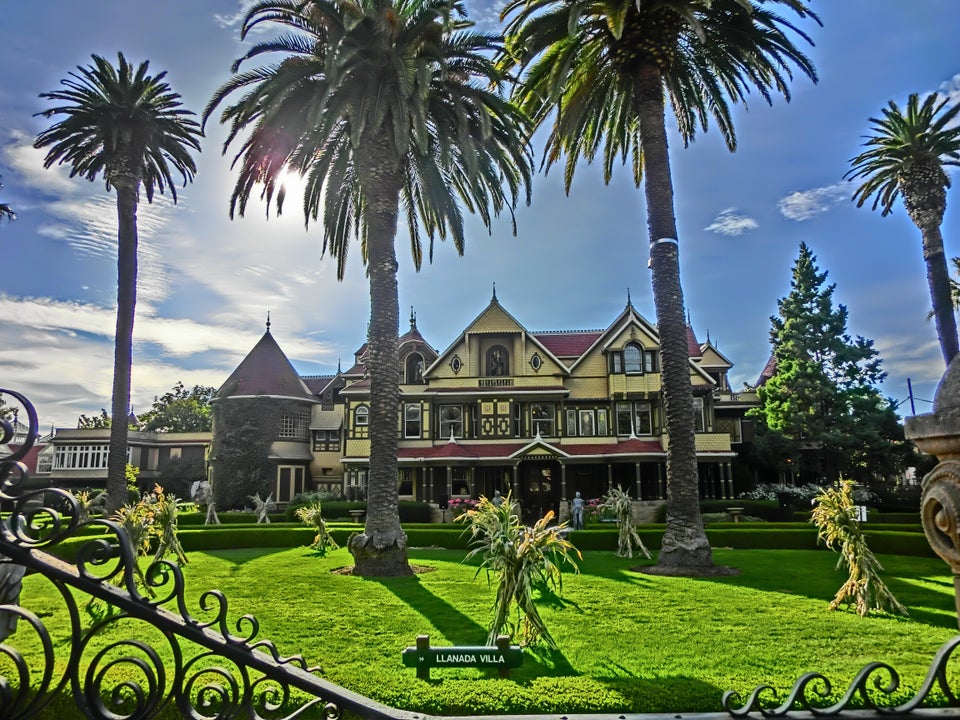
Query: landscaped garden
{"points": [[627, 642]]}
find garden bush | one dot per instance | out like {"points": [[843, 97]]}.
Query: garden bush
{"points": [[765, 509], [226, 518]]}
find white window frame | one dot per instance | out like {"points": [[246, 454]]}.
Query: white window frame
{"points": [[642, 409], [361, 416], [294, 425], [699, 415], [545, 424], [45, 460], [587, 423], [450, 426], [412, 421], [633, 359]]}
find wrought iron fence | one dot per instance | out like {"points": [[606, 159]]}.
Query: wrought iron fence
{"points": [[219, 671]]}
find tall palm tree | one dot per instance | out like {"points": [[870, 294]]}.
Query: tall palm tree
{"points": [[378, 103], [601, 70], [130, 127], [907, 150]]}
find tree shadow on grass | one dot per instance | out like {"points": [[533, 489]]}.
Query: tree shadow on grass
{"points": [[813, 574], [452, 623], [665, 694]]}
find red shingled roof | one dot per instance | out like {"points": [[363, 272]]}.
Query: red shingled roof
{"points": [[568, 344], [769, 370], [693, 345]]}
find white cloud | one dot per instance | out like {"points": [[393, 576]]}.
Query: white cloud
{"points": [[729, 222], [807, 204], [951, 90], [60, 354]]}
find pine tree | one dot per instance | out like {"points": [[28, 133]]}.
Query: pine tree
{"points": [[823, 407]]}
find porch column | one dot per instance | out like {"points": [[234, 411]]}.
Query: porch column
{"points": [[729, 480], [609, 477], [660, 483], [636, 474], [515, 476], [563, 481], [428, 472], [449, 482]]}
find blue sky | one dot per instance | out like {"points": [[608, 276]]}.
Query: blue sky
{"points": [[207, 283]]}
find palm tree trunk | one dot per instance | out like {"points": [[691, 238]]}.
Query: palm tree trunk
{"points": [[382, 548], [938, 279], [685, 548], [127, 241]]}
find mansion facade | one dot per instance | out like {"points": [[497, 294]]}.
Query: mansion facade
{"points": [[540, 414]]}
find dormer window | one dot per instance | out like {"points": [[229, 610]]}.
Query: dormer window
{"points": [[633, 360], [413, 369], [498, 361]]}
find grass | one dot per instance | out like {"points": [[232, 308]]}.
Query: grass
{"points": [[627, 642]]}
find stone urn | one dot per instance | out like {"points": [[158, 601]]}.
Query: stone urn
{"points": [[938, 433]]}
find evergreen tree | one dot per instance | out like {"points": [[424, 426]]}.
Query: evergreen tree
{"points": [[822, 409]]}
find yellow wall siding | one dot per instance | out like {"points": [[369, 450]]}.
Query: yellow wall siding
{"points": [[713, 442], [712, 359], [357, 448], [618, 384], [495, 319], [587, 388]]}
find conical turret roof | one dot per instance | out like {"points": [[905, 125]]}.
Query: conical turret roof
{"points": [[265, 371]]}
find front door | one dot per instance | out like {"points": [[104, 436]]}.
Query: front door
{"points": [[539, 489]]}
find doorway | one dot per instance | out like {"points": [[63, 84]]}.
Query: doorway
{"points": [[539, 489]]}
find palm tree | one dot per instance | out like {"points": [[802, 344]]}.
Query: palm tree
{"points": [[6, 212], [377, 103], [130, 127], [601, 69], [907, 150]]}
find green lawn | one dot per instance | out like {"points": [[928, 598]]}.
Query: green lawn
{"points": [[628, 642]]}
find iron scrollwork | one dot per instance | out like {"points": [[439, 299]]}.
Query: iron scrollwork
{"points": [[874, 687], [218, 670]]}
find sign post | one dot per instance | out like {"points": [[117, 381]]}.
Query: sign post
{"points": [[502, 656]]}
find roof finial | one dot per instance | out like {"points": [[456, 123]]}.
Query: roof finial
{"points": [[494, 298], [688, 319], [339, 370], [629, 302], [708, 335], [413, 319], [268, 321]]}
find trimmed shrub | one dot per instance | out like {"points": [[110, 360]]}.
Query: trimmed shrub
{"points": [[227, 518], [908, 518], [899, 543], [766, 509], [439, 536]]}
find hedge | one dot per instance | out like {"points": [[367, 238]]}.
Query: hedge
{"points": [[411, 511], [742, 536]]}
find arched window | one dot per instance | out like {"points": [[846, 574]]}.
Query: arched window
{"points": [[414, 369], [361, 416], [632, 359], [498, 361]]}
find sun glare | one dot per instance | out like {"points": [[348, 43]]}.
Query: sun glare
{"points": [[294, 184]]}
